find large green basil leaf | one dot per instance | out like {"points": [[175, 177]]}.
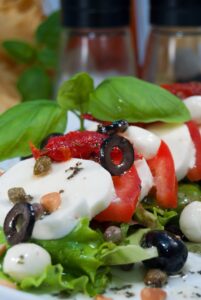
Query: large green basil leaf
{"points": [[29, 121], [20, 50], [136, 101], [74, 93], [34, 83]]}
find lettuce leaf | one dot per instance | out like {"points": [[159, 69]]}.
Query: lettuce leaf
{"points": [[82, 259], [55, 280]]}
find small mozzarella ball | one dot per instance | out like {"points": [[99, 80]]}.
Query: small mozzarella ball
{"points": [[190, 221], [24, 260]]}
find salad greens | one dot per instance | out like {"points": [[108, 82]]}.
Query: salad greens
{"points": [[115, 98], [81, 260]]}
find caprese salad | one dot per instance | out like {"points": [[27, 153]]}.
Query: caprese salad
{"points": [[110, 195]]}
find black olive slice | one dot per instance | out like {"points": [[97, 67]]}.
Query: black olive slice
{"points": [[19, 223], [44, 142], [127, 151], [115, 127]]}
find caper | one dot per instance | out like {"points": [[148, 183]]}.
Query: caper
{"points": [[42, 165], [113, 234], [18, 194], [155, 278]]}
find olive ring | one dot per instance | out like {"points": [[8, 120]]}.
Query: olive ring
{"points": [[127, 151], [19, 223], [115, 127]]}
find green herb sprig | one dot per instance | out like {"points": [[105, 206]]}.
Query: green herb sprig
{"points": [[39, 59]]}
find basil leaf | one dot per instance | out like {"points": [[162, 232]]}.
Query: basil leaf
{"points": [[74, 93], [47, 57], [34, 83], [20, 51], [136, 101], [28, 121], [48, 32]]}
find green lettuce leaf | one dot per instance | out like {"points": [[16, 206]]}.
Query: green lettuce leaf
{"points": [[28, 122], [55, 280], [136, 101], [78, 251], [131, 252], [82, 259], [153, 217]]}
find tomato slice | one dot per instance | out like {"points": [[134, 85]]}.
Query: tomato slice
{"points": [[127, 187], [163, 171], [194, 174]]}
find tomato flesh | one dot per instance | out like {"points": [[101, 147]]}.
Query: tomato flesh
{"points": [[184, 90], [194, 174], [163, 171], [77, 144], [127, 187]]}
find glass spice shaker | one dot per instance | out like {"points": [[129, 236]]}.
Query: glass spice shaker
{"points": [[96, 39], [173, 52]]}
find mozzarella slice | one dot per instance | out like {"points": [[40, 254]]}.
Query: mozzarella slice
{"points": [[178, 139], [190, 221], [145, 142], [84, 195], [145, 176], [24, 260], [193, 104]]}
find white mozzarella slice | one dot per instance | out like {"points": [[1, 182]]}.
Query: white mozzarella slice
{"points": [[193, 104], [190, 221], [84, 195], [144, 141], [178, 139], [145, 175], [24, 260]]}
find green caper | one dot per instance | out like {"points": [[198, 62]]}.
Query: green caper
{"points": [[18, 194], [42, 165], [113, 234]]}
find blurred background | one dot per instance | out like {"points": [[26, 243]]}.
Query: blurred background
{"points": [[43, 42], [31, 39]]}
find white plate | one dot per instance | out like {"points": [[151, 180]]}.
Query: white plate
{"points": [[127, 285]]}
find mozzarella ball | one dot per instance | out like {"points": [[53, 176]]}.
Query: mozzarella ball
{"points": [[190, 221], [24, 260]]}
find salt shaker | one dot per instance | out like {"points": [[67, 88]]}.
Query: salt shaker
{"points": [[173, 52], [96, 39]]}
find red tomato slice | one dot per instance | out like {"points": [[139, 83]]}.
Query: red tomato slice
{"points": [[127, 187], [194, 174], [162, 168]]}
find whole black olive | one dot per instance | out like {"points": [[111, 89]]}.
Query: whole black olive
{"points": [[171, 250], [127, 151], [46, 139], [19, 223], [115, 127]]}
